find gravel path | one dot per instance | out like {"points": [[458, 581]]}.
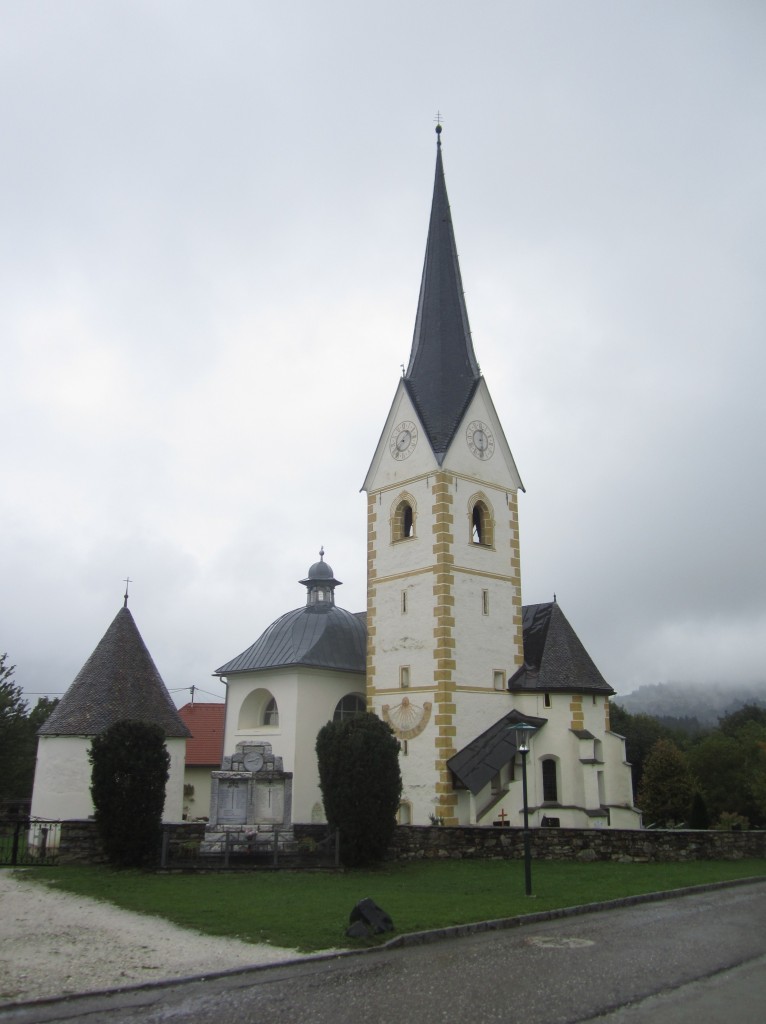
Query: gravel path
{"points": [[53, 944]]}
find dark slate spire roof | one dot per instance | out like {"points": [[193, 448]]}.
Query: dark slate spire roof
{"points": [[119, 680], [443, 373], [319, 635], [554, 657]]}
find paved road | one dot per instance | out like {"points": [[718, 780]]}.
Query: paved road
{"points": [[699, 958]]}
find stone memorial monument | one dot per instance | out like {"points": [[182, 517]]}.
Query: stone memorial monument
{"points": [[250, 800]]}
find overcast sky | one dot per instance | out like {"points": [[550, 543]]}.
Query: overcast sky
{"points": [[212, 224]]}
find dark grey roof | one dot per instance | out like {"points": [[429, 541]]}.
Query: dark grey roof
{"points": [[443, 373], [119, 680], [478, 763], [318, 636], [554, 657]]}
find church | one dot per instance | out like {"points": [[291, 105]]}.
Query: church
{"points": [[445, 651]]}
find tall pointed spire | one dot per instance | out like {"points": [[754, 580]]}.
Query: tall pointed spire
{"points": [[443, 373]]}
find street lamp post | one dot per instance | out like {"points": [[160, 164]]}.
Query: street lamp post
{"points": [[522, 732]]}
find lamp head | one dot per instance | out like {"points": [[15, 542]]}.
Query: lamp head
{"points": [[522, 732]]}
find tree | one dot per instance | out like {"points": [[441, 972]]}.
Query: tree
{"points": [[666, 787], [730, 767], [18, 736], [641, 733], [361, 784], [732, 723], [13, 734], [130, 768], [698, 815]]}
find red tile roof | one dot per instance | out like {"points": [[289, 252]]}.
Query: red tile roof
{"points": [[205, 722]]}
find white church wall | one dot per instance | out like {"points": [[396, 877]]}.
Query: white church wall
{"points": [[63, 772], [62, 778], [306, 699], [319, 694], [174, 790]]}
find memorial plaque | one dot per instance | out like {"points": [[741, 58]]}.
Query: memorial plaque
{"points": [[232, 802], [269, 802]]}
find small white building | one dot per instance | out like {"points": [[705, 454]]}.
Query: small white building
{"points": [[306, 669], [118, 681]]}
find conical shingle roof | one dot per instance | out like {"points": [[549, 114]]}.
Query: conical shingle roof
{"points": [[118, 681], [443, 372]]}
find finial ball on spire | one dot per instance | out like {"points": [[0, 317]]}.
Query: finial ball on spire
{"points": [[438, 129]]}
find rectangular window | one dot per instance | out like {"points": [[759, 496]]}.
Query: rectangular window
{"points": [[546, 700], [485, 602], [499, 680], [404, 676], [404, 748], [404, 602]]}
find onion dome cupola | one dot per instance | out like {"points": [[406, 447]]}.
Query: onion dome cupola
{"points": [[321, 584], [316, 635]]}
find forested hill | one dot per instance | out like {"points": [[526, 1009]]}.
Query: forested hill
{"points": [[691, 702]]}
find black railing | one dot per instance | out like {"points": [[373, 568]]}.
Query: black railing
{"points": [[238, 850], [29, 842]]}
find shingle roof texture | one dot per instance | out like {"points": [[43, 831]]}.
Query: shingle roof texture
{"points": [[118, 681], [443, 372], [205, 722], [554, 657], [478, 762], [320, 636]]}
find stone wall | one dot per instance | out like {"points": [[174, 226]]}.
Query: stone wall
{"points": [[79, 843], [412, 842]]}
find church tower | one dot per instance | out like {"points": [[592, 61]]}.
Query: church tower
{"points": [[443, 580]]}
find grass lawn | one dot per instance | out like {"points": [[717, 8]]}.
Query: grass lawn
{"points": [[309, 910]]}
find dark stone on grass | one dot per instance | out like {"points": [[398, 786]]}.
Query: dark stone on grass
{"points": [[358, 930], [371, 917]]}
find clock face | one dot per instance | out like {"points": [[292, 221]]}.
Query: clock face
{"points": [[403, 439], [480, 440]]}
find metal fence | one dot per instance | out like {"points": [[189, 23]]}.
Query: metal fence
{"points": [[29, 842], [238, 851]]}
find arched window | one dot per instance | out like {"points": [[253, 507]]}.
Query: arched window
{"points": [[348, 706], [550, 787], [271, 713], [403, 519], [258, 709], [404, 814], [482, 527]]}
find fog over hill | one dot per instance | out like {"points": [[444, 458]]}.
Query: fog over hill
{"points": [[706, 702]]}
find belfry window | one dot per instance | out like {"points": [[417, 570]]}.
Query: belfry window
{"points": [[481, 524], [403, 519], [407, 525]]}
